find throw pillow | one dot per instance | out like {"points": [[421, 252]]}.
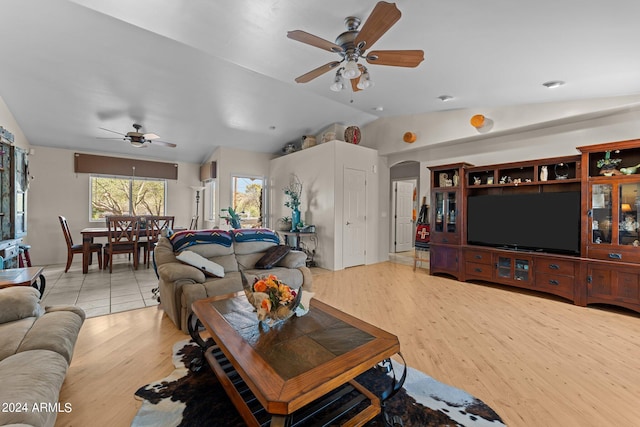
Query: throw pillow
{"points": [[272, 256], [201, 263], [18, 302]]}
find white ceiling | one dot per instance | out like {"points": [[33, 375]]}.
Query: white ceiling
{"points": [[207, 73]]}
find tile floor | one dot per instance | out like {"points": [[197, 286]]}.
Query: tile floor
{"points": [[99, 292]]}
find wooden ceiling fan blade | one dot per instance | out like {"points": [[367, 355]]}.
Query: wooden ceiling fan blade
{"points": [[317, 72], [354, 84], [310, 39], [383, 16], [397, 58]]}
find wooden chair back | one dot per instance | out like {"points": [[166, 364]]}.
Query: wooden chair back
{"points": [[123, 230], [156, 224], [65, 231]]}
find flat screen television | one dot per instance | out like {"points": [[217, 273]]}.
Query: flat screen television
{"points": [[546, 222]]}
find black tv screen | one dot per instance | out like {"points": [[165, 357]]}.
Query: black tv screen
{"points": [[548, 222]]}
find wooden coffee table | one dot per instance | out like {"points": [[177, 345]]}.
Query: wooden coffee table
{"points": [[28, 276], [297, 372]]}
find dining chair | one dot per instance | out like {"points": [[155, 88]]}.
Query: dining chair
{"points": [[73, 249], [123, 238], [155, 226]]}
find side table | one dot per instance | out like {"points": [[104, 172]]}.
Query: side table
{"points": [[28, 276]]}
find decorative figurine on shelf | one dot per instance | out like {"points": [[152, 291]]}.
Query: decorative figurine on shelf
{"points": [[455, 179], [630, 170], [477, 180], [608, 165], [561, 170], [544, 173]]}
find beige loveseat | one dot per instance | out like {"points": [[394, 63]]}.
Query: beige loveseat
{"points": [[181, 284], [36, 346]]}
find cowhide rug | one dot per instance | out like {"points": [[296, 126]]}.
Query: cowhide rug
{"points": [[191, 399]]}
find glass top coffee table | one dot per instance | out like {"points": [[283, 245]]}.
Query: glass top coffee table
{"points": [[296, 371]]}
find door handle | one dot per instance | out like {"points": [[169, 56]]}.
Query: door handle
{"points": [[348, 223]]}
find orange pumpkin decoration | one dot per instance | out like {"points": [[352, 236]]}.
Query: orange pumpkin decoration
{"points": [[409, 137]]}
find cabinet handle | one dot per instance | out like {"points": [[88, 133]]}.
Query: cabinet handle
{"points": [[478, 270], [615, 256], [554, 282], [445, 240], [554, 266], [478, 256]]}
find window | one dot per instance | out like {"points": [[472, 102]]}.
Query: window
{"points": [[247, 200], [112, 195]]}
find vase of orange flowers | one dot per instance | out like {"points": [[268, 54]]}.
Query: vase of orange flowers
{"points": [[273, 300]]}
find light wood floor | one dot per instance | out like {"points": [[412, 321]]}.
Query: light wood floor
{"points": [[537, 361]]}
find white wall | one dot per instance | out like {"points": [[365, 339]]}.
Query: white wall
{"points": [[321, 168], [57, 190], [230, 162]]}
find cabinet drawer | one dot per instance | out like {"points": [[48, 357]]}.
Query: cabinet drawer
{"points": [[555, 284], [480, 257], [479, 271], [620, 254], [555, 266], [446, 238]]}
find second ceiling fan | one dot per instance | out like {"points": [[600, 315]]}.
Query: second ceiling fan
{"points": [[139, 139], [353, 44]]}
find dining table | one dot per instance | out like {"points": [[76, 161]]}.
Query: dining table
{"points": [[88, 236]]}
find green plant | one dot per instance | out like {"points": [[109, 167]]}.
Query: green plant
{"points": [[608, 161], [294, 192], [232, 218]]}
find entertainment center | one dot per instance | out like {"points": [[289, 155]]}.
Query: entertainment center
{"points": [[566, 226]]}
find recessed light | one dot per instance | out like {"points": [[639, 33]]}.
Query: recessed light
{"points": [[445, 98], [553, 84], [378, 108]]}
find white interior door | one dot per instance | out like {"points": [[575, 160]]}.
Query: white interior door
{"points": [[354, 225], [404, 204]]}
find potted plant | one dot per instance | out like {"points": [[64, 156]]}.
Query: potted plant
{"points": [[284, 223], [294, 192], [608, 166]]}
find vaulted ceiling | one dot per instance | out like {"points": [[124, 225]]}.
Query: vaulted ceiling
{"points": [[207, 73]]}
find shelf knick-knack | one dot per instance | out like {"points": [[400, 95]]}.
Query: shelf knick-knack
{"points": [[561, 170], [544, 173]]}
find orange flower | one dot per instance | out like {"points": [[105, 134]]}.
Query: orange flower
{"points": [[260, 286]]}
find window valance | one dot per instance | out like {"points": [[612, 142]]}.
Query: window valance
{"points": [[89, 163]]}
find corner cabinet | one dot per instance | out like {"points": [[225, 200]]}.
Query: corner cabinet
{"points": [[611, 204], [447, 216]]}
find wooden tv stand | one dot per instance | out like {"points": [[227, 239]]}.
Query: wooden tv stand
{"points": [[607, 270]]}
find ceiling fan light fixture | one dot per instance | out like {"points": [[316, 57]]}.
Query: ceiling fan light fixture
{"points": [[137, 144], [351, 70], [337, 84], [365, 81]]}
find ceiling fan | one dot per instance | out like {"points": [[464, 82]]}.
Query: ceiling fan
{"points": [[352, 45], [139, 139]]}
